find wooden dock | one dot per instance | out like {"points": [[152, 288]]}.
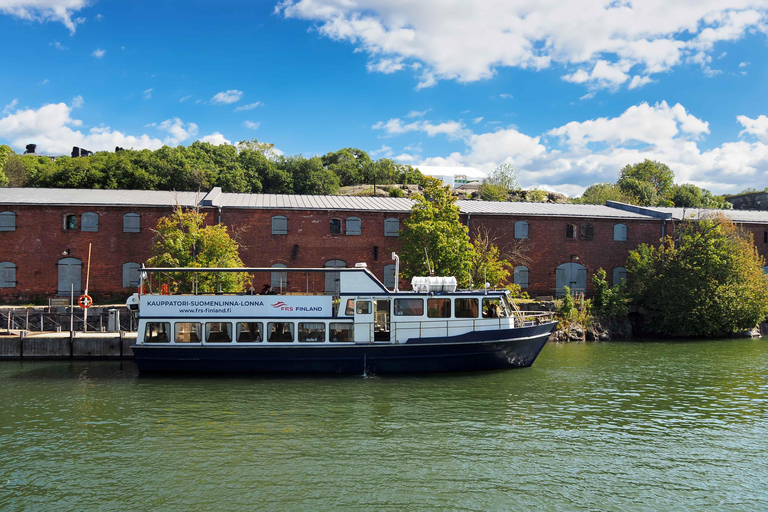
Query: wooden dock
{"points": [[66, 345]]}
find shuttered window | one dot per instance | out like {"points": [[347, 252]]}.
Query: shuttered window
{"points": [[353, 226], [521, 229], [392, 227], [89, 222], [279, 225], [7, 221], [619, 275], [131, 274], [131, 223], [521, 276], [7, 275], [620, 232]]}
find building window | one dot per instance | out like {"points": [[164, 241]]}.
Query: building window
{"points": [[70, 276], [389, 276], [588, 232], [335, 226], [620, 232], [89, 221], [353, 226], [131, 274], [765, 237], [521, 276], [131, 223], [619, 275], [7, 221], [571, 231], [70, 221], [521, 229], [7, 275], [279, 280], [392, 227], [279, 225]]}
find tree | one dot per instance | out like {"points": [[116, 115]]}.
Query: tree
{"points": [[706, 280], [488, 264], [434, 238], [182, 240], [608, 301], [497, 185], [5, 153], [602, 192], [657, 174]]}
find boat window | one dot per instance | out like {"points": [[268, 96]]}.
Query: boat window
{"points": [[364, 307], [342, 332], [350, 307], [465, 308], [280, 332], [409, 307], [312, 332], [493, 308], [249, 332], [157, 332], [218, 332], [188, 332], [439, 308]]}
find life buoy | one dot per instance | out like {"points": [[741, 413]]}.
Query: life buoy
{"points": [[85, 301]]}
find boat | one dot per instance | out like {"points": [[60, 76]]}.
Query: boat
{"points": [[361, 327]]}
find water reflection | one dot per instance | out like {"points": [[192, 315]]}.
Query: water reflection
{"points": [[630, 426]]}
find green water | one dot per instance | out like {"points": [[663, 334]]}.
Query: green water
{"points": [[600, 426]]}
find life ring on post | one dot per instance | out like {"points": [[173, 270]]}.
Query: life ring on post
{"points": [[85, 301], [164, 290]]}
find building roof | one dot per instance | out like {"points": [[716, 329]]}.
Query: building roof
{"points": [[737, 216], [441, 170], [546, 209], [97, 197], [308, 202]]}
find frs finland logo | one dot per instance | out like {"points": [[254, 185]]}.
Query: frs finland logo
{"points": [[282, 306]]}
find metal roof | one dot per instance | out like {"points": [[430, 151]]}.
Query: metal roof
{"points": [[546, 209], [97, 197], [308, 202], [738, 216]]}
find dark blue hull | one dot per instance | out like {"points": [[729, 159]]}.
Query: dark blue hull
{"points": [[484, 350]]}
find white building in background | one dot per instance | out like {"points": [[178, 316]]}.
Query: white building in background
{"points": [[452, 176]]}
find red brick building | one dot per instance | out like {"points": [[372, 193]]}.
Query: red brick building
{"points": [[45, 235]]}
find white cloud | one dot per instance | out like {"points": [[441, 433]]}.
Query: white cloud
{"points": [[506, 96], [77, 101], [249, 106], [453, 129], [417, 113], [12, 105], [98, 53], [477, 120], [601, 44], [251, 125], [227, 97], [755, 127], [178, 130], [184, 98], [575, 155], [216, 139], [44, 82], [53, 129], [147, 93], [384, 151], [45, 10], [58, 45]]}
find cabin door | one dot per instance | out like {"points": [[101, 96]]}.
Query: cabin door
{"points": [[381, 330], [364, 320]]}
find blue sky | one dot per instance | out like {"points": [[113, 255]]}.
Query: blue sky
{"points": [[567, 92]]}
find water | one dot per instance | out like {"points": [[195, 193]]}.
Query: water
{"points": [[600, 426]]}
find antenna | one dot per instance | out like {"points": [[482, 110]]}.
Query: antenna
{"points": [[429, 267]]}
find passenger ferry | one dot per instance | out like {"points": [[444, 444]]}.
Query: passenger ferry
{"points": [[361, 328]]}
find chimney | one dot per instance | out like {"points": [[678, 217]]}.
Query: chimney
{"points": [[75, 152]]}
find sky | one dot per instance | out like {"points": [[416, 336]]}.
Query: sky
{"points": [[566, 91]]}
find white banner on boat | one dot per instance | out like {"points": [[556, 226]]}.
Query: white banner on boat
{"points": [[246, 306]]}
